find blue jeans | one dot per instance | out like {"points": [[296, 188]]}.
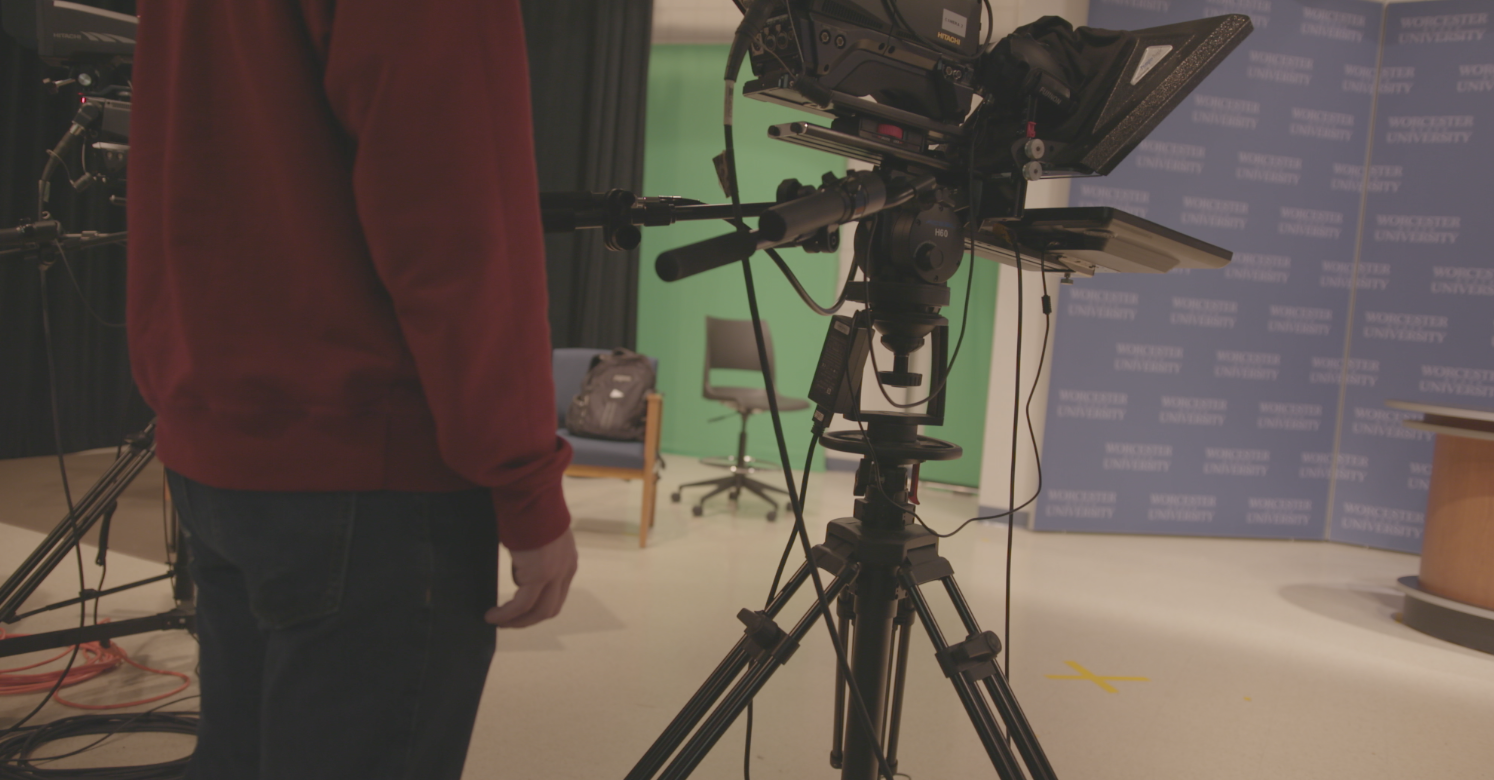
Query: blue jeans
{"points": [[342, 634]]}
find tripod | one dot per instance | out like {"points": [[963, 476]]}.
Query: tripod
{"points": [[879, 560], [95, 508]]}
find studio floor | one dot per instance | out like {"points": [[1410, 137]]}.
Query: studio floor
{"points": [[1134, 657]]}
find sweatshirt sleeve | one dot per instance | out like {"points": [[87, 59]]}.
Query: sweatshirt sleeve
{"points": [[434, 98]]}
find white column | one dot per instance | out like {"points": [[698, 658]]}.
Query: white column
{"points": [[996, 457]]}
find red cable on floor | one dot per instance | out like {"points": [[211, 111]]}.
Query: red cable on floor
{"points": [[100, 660]]}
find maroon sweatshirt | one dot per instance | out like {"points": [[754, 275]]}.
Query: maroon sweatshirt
{"points": [[336, 275]]}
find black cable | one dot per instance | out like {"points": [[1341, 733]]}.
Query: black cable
{"points": [[116, 730], [804, 294], [803, 533], [762, 351], [16, 751], [46, 306], [1037, 457], [57, 246], [747, 747], [1011, 495], [896, 18], [65, 169], [803, 493], [72, 659], [77, 549], [50, 349], [773, 594]]}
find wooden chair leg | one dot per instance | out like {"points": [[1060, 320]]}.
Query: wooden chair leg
{"points": [[646, 520], [650, 467]]}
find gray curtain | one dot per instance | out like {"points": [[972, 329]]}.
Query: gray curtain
{"points": [[588, 63]]}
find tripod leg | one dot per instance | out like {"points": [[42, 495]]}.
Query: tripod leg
{"points": [[843, 610], [26, 579], [904, 625], [746, 688], [975, 706], [1006, 701], [709, 692], [871, 654]]}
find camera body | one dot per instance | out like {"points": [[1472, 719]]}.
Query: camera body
{"points": [[96, 49], [914, 57]]}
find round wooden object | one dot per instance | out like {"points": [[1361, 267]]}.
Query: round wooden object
{"points": [[1457, 553]]}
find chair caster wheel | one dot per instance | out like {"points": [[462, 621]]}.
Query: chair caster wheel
{"points": [[772, 515], [675, 497], [697, 510]]}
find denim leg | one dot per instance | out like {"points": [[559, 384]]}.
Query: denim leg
{"points": [[230, 650], [402, 663], [369, 605]]}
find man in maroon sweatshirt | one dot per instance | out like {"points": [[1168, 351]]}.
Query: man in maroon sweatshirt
{"points": [[337, 310]]}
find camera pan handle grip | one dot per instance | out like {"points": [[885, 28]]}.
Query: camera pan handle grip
{"points": [[676, 264]]}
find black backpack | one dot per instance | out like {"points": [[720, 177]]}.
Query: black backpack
{"points": [[613, 402]]}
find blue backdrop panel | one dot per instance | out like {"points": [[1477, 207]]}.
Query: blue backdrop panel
{"points": [[1205, 402], [1424, 307]]}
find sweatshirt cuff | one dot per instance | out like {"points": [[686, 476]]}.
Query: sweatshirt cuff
{"points": [[540, 520]]}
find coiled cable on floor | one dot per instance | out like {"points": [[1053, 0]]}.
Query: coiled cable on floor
{"points": [[19, 759], [100, 659]]}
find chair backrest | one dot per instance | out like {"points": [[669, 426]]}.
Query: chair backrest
{"points": [[568, 367], [732, 344]]}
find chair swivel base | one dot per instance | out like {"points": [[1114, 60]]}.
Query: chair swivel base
{"points": [[748, 464], [736, 482]]}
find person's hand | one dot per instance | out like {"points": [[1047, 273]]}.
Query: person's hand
{"points": [[543, 576]]}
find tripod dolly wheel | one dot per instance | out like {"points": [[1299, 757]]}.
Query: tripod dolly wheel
{"points": [[675, 496], [697, 510], [772, 515]]}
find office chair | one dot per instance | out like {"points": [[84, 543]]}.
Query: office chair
{"points": [[731, 344]]}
